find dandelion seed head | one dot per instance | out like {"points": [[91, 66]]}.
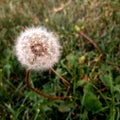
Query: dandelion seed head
{"points": [[37, 48]]}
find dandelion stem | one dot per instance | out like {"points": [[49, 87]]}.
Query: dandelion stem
{"points": [[39, 92]]}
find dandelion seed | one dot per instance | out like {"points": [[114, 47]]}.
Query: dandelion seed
{"points": [[37, 49]]}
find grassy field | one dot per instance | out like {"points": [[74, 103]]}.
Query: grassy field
{"points": [[93, 71]]}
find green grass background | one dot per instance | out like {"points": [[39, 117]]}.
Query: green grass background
{"points": [[95, 79]]}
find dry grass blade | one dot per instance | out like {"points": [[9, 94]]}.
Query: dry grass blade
{"points": [[62, 6], [91, 41], [63, 80]]}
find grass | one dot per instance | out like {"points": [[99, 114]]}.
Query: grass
{"points": [[95, 79]]}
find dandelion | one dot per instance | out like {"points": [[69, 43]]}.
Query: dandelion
{"points": [[38, 49]]}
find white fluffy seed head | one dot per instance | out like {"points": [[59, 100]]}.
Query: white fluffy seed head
{"points": [[37, 49]]}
